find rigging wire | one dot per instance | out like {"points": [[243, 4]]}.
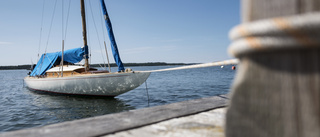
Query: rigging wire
{"points": [[95, 26], [64, 32], [54, 10], [52, 18], [62, 35], [104, 39], [41, 30], [65, 35]]}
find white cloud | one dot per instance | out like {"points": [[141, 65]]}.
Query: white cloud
{"points": [[5, 43]]}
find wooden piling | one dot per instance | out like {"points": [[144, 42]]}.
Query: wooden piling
{"points": [[276, 93]]}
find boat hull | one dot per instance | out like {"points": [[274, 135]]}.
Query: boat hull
{"points": [[106, 84]]}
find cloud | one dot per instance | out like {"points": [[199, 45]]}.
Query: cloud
{"points": [[5, 43]]}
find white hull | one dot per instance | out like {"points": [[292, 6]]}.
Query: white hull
{"points": [[106, 84]]}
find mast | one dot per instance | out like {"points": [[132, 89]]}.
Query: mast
{"points": [[84, 33], [114, 47]]}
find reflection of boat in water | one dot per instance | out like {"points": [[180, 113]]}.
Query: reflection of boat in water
{"points": [[66, 108], [55, 73]]}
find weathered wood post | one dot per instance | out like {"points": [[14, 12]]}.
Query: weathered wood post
{"points": [[276, 92]]}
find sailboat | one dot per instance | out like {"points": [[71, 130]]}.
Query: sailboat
{"points": [[67, 78]]}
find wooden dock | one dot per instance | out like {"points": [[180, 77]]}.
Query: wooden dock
{"points": [[205, 124], [201, 117]]}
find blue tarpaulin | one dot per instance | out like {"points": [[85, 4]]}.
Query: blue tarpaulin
{"points": [[50, 59]]}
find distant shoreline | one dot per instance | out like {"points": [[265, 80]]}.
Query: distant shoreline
{"points": [[97, 65]]}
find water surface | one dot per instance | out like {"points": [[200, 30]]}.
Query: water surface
{"points": [[21, 108]]}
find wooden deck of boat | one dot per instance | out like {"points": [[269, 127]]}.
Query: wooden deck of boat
{"points": [[200, 117]]}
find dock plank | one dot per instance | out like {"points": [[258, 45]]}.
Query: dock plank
{"points": [[204, 124]]}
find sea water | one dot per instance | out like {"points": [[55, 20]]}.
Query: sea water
{"points": [[21, 108]]}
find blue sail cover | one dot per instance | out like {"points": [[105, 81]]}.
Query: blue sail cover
{"points": [[114, 47], [50, 59]]}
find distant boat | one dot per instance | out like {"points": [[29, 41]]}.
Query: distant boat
{"points": [[55, 72]]}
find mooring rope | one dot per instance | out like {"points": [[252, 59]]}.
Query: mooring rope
{"points": [[147, 92], [218, 63], [299, 31]]}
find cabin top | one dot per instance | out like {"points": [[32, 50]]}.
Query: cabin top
{"points": [[71, 70], [66, 68]]}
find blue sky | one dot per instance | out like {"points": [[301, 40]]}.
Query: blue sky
{"points": [[173, 31]]}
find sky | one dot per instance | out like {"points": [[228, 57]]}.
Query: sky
{"points": [[172, 31]]}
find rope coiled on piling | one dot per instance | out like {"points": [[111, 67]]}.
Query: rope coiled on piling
{"points": [[300, 31]]}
